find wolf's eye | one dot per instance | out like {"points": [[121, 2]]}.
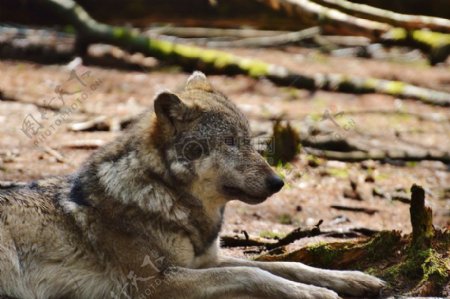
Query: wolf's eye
{"points": [[230, 141], [193, 151]]}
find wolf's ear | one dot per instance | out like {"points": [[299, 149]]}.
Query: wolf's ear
{"points": [[170, 108], [198, 80]]}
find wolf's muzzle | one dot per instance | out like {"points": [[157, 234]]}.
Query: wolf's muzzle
{"points": [[274, 183]]}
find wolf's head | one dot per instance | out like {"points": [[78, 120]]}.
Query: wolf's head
{"points": [[205, 141]]}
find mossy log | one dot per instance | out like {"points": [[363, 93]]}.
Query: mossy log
{"points": [[90, 31], [342, 255], [409, 22]]}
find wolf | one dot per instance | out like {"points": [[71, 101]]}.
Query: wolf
{"points": [[141, 217]]}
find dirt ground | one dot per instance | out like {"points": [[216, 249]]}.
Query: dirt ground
{"points": [[309, 192]]}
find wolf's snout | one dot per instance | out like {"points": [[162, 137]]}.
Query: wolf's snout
{"points": [[274, 183]]}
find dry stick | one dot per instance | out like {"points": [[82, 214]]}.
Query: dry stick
{"points": [[357, 156], [191, 57], [433, 117], [102, 123], [5, 96], [295, 235], [355, 209], [9, 98], [57, 155], [199, 32], [89, 144], [282, 39], [406, 21]]}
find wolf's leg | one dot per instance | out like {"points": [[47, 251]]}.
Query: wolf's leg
{"points": [[231, 282], [345, 282], [11, 280]]}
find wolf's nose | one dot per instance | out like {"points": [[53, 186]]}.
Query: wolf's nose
{"points": [[274, 183]]}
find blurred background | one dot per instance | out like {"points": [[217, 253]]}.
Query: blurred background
{"points": [[353, 94]]}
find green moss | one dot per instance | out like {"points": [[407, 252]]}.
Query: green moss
{"points": [[223, 60], [398, 33], [395, 87], [119, 32], [254, 68], [435, 267], [69, 29], [382, 245], [285, 219], [341, 173], [370, 83], [422, 266], [323, 253], [424, 37], [271, 235], [160, 46], [434, 39], [412, 163]]}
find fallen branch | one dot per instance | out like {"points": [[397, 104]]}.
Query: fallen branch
{"points": [[6, 97], [337, 22], [332, 21], [410, 22], [357, 156], [236, 241], [296, 234], [434, 117], [103, 123], [355, 209], [90, 31], [57, 155], [84, 144], [281, 39], [201, 32]]}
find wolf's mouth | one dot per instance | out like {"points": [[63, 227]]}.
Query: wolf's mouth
{"points": [[242, 195]]}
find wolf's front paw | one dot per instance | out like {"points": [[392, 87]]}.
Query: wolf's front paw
{"points": [[357, 283]]}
